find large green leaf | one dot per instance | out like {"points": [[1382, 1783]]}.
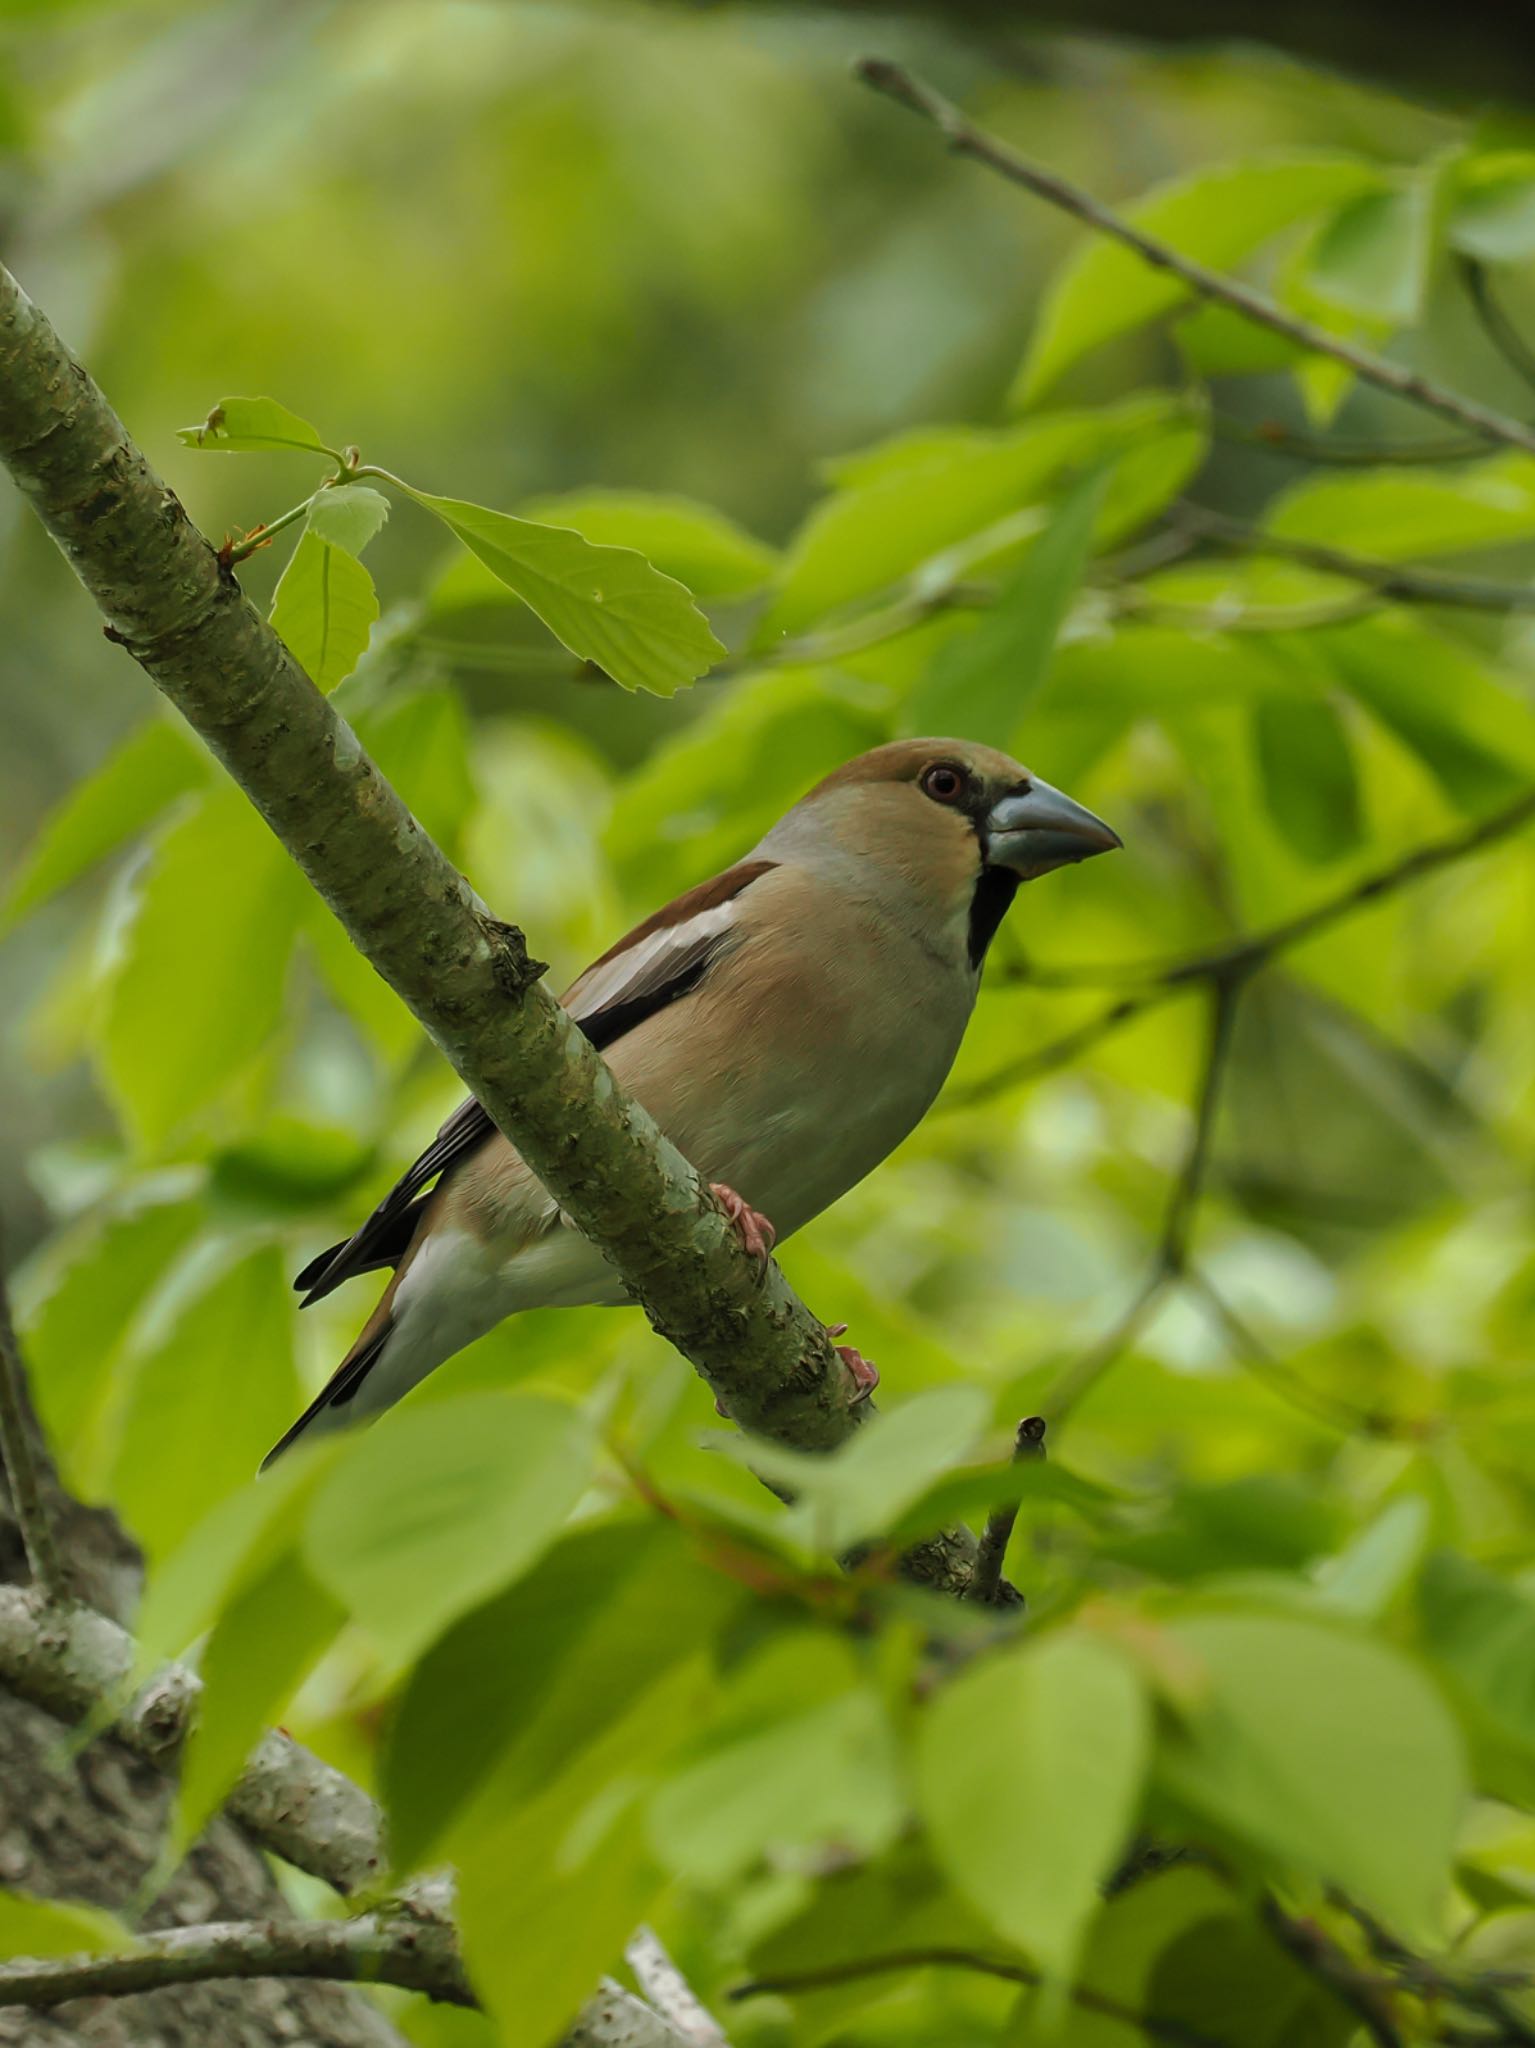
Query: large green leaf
{"points": [[198, 992], [1471, 733], [80, 1306], [265, 1643], [246, 425], [215, 1388], [1372, 257], [1029, 1771], [152, 767], [608, 605], [438, 1505], [1321, 1747], [1218, 215], [324, 609], [1306, 767], [903, 505], [982, 683], [705, 551], [827, 1776], [1492, 211], [1396, 514]]}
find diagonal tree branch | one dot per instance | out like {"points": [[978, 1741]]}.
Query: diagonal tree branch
{"points": [[465, 975]]}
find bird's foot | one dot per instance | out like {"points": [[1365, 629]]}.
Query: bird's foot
{"points": [[757, 1235], [865, 1372]]}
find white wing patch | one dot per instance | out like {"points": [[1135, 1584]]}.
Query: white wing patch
{"points": [[651, 963]]}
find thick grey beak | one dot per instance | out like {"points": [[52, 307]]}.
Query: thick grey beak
{"points": [[1035, 829]]}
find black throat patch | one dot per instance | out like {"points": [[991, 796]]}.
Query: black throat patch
{"points": [[995, 889]]}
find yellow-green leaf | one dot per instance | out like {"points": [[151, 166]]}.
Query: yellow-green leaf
{"points": [[324, 609], [245, 425]]}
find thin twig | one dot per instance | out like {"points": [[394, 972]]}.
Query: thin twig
{"points": [[1339, 452], [985, 1586], [1481, 1994], [670, 1992], [1059, 1052], [1155, 2026], [967, 140], [1133, 600], [1386, 579], [1320, 1956], [1499, 329], [1170, 1261], [22, 1472]]}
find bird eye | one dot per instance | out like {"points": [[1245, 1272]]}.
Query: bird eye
{"points": [[943, 782]]}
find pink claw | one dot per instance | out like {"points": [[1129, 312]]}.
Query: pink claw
{"points": [[757, 1235], [865, 1372]]}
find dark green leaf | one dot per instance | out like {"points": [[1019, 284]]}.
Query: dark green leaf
{"points": [[1306, 767]]}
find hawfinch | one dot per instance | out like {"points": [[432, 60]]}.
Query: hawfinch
{"points": [[787, 1024]]}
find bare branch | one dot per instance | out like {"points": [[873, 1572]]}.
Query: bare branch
{"points": [[21, 1469], [967, 140], [1320, 1956], [392, 1947], [1390, 580]]}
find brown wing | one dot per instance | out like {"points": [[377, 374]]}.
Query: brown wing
{"points": [[660, 960]]}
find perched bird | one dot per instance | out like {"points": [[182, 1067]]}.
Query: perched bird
{"points": [[787, 1024]]}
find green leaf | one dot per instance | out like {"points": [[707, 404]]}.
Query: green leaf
{"points": [[704, 550], [606, 1616], [905, 503], [152, 767], [567, 1876], [57, 1927], [1324, 1748], [266, 1642], [324, 609], [1306, 768], [348, 516], [826, 1776], [1472, 734], [1480, 1633], [983, 682], [235, 1543], [440, 1504], [1368, 1574], [208, 1401], [845, 1496], [608, 605], [241, 425], [1396, 515], [81, 1305], [1029, 1770], [1217, 215], [1372, 257], [198, 993], [1218, 342], [1492, 214]]}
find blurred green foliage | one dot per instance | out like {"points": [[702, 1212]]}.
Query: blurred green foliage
{"points": [[647, 279]]}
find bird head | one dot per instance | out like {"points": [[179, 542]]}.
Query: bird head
{"points": [[950, 826]]}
